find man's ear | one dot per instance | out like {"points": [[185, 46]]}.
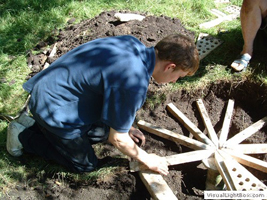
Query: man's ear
{"points": [[169, 66]]}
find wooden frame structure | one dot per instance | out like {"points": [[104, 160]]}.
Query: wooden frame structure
{"points": [[227, 155]]}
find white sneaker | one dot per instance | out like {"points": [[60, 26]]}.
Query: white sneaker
{"points": [[25, 120], [13, 145]]}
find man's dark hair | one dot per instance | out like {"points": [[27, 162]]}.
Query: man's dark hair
{"points": [[181, 50]]}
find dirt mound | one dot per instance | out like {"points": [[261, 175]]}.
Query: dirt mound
{"points": [[187, 181], [149, 31]]}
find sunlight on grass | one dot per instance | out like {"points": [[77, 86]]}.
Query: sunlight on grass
{"points": [[12, 77], [23, 24]]}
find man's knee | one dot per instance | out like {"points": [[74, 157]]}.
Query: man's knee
{"points": [[83, 167], [248, 5]]}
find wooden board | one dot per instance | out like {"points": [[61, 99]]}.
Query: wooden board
{"points": [[246, 132], [189, 125], [183, 140], [219, 161], [226, 122], [250, 148], [248, 160], [204, 114], [188, 157], [242, 179], [177, 159], [157, 186]]}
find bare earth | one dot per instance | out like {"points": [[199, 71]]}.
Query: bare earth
{"points": [[187, 181]]}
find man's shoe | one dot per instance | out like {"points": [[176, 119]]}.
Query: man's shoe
{"points": [[13, 145], [25, 120]]}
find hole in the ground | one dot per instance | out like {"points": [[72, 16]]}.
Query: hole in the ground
{"points": [[249, 107], [116, 23]]}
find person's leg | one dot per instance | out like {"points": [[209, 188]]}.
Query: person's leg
{"points": [[252, 12], [98, 133], [76, 155]]}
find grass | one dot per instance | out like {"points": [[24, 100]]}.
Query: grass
{"points": [[23, 24]]}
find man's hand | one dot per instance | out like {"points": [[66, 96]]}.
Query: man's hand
{"points": [[124, 143], [137, 136], [157, 164]]}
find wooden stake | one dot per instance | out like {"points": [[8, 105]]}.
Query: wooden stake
{"points": [[191, 143], [248, 160], [188, 124], [226, 122], [207, 122], [246, 133], [157, 186]]}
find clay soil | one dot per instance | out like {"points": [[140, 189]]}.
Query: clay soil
{"points": [[187, 181]]}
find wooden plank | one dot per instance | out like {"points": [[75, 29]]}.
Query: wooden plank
{"points": [[204, 114], [248, 160], [189, 125], [189, 157], [219, 161], [242, 179], [250, 148], [226, 122], [183, 140], [246, 133], [177, 159], [157, 186]]}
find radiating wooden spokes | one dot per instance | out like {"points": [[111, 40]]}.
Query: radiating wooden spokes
{"points": [[227, 154]]}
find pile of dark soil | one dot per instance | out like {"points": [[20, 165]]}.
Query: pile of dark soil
{"points": [[187, 181]]}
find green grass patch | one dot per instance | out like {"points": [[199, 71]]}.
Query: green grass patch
{"points": [[23, 24]]}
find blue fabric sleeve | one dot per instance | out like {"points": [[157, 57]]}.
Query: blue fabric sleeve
{"points": [[120, 108]]}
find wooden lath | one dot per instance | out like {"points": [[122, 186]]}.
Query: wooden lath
{"points": [[164, 133], [225, 154], [177, 159], [220, 164], [189, 125], [226, 122], [205, 116], [241, 178], [248, 160], [157, 186], [250, 148], [246, 133]]}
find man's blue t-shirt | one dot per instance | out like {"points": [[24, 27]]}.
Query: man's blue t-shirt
{"points": [[104, 80]]}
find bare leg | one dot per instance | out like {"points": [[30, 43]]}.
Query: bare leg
{"points": [[251, 15]]}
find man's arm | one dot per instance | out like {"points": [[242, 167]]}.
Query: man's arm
{"points": [[124, 143]]}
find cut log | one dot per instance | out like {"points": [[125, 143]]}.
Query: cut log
{"points": [[183, 140], [157, 186], [246, 132], [189, 125], [204, 114], [226, 122], [248, 160]]}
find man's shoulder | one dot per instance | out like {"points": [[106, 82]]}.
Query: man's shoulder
{"points": [[128, 38]]}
